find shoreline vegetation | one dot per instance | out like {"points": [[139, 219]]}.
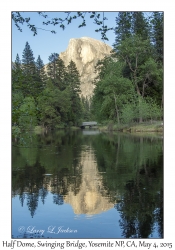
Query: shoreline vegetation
{"points": [[155, 126]]}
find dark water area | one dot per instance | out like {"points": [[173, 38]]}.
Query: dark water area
{"points": [[87, 184]]}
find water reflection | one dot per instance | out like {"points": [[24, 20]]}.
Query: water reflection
{"points": [[90, 132], [92, 197], [97, 174]]}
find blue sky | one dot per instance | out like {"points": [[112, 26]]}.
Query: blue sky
{"points": [[45, 43]]}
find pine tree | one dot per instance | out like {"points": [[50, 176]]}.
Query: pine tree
{"points": [[17, 75], [73, 83], [51, 67], [31, 85], [28, 60], [129, 23], [39, 64], [60, 74], [140, 25], [157, 35], [73, 77], [123, 27], [41, 74], [56, 70], [17, 63]]}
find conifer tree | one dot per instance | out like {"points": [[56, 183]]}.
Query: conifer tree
{"points": [[140, 25], [17, 95], [60, 74], [130, 23], [51, 67], [28, 60], [123, 27], [73, 83], [41, 75], [56, 71], [157, 35], [30, 83], [73, 77], [16, 74], [39, 65], [17, 63]]}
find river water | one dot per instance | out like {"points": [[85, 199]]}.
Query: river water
{"points": [[87, 184]]}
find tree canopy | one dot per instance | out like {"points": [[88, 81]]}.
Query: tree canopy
{"points": [[47, 97], [97, 17], [128, 86]]}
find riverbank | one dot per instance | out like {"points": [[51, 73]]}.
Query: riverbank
{"points": [[16, 131], [133, 128]]}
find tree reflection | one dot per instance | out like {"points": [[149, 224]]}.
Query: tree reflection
{"points": [[159, 213], [134, 171], [43, 194], [132, 179], [32, 203], [58, 199], [34, 156], [22, 198], [141, 206]]}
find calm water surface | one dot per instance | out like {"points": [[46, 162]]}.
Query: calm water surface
{"points": [[86, 184]]}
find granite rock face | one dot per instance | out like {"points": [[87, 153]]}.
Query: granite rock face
{"points": [[92, 197], [85, 52]]}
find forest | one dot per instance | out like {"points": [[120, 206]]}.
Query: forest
{"points": [[128, 87]]}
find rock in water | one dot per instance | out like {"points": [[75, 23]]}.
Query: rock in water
{"points": [[85, 52]]}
